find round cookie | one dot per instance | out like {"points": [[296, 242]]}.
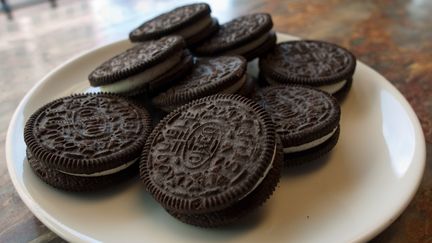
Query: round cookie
{"points": [[306, 120], [148, 67], [224, 74], [193, 22], [249, 36], [320, 64], [85, 138], [210, 157]]}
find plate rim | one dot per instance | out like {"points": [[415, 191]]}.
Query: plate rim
{"points": [[66, 233]]}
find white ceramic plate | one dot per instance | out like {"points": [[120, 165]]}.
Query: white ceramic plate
{"points": [[357, 191]]}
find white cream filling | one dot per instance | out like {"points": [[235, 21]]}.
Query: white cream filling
{"points": [[309, 145], [195, 28], [333, 88], [249, 46], [329, 88], [141, 78], [102, 173], [269, 166], [230, 90]]}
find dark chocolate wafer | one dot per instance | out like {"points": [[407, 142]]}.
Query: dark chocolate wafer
{"points": [[87, 135], [244, 36], [224, 74], [304, 117], [143, 66], [166, 80], [210, 154], [193, 22], [315, 63]]}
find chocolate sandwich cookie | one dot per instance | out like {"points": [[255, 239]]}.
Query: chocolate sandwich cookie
{"points": [[147, 68], [225, 74], [213, 160], [306, 120], [193, 22], [86, 142], [249, 36], [315, 63]]}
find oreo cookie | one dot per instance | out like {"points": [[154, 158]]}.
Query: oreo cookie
{"points": [[193, 22], [306, 120], [86, 142], [147, 68], [224, 74], [213, 160], [249, 36], [307, 62]]}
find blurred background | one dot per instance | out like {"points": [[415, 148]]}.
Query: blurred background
{"points": [[392, 36]]}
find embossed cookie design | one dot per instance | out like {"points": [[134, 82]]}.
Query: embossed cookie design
{"points": [[320, 64], [213, 160], [306, 120], [86, 142], [249, 36], [225, 74], [147, 68], [193, 22]]}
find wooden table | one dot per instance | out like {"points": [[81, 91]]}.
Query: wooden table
{"points": [[393, 37]]}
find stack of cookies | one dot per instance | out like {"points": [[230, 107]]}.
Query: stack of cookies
{"points": [[221, 137]]}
